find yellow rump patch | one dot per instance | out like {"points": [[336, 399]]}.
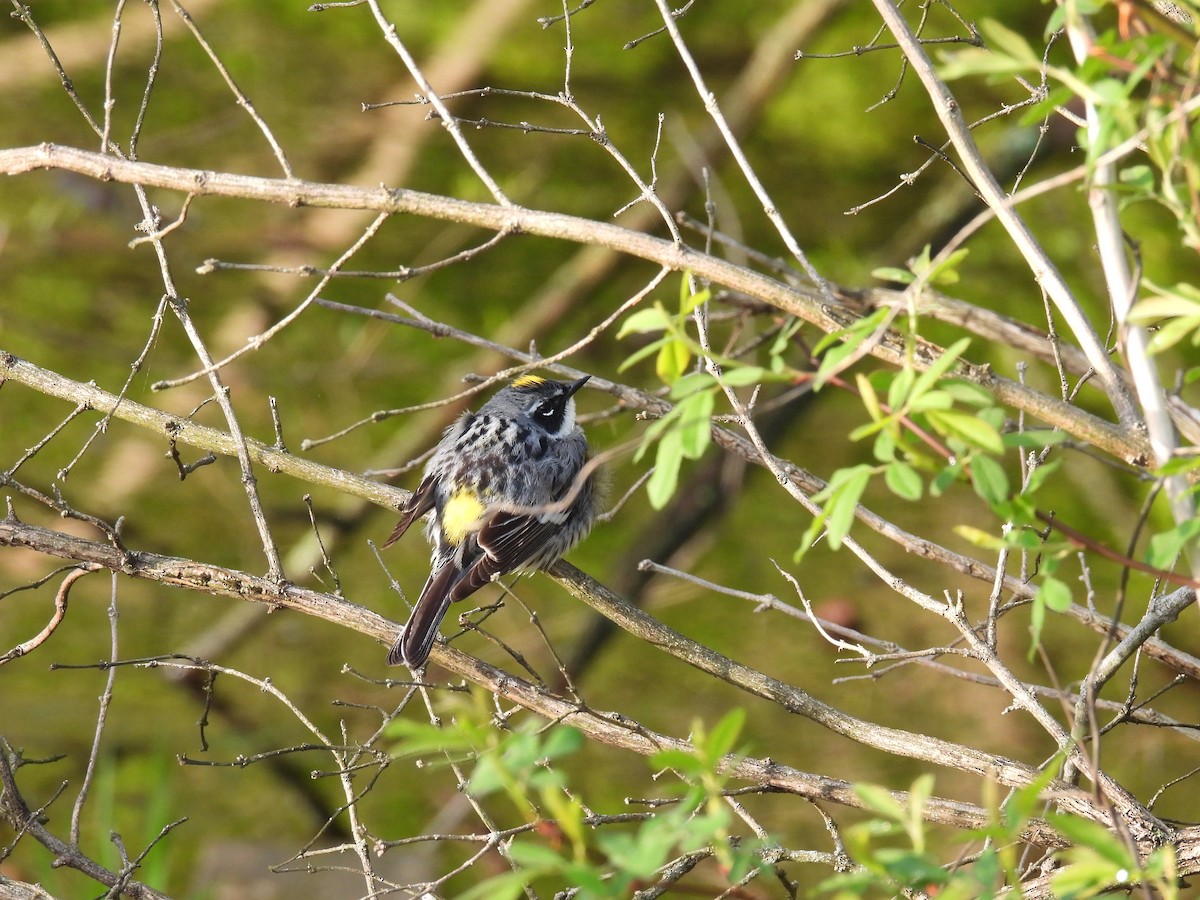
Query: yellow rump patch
{"points": [[525, 381], [461, 515]]}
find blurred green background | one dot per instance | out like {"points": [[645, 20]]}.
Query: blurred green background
{"points": [[77, 300]]}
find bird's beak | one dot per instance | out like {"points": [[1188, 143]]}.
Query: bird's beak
{"points": [[573, 386]]}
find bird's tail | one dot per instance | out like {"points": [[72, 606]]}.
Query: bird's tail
{"points": [[416, 640]]}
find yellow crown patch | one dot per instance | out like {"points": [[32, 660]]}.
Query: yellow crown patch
{"points": [[525, 381]]}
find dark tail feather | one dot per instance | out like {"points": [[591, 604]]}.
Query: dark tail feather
{"points": [[416, 640]]}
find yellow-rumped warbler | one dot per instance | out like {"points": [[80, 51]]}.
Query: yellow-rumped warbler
{"points": [[507, 493]]}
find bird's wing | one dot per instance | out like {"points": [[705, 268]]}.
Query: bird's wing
{"points": [[507, 542], [418, 504]]}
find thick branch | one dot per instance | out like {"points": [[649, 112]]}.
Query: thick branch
{"points": [[616, 731], [804, 304], [177, 428]]}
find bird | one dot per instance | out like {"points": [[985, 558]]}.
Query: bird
{"points": [[505, 491]]}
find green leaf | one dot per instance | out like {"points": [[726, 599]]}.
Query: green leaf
{"points": [[971, 429], [690, 384], [695, 424], [661, 486], [890, 273], [972, 61], [725, 733], [899, 389], [508, 886], [838, 346], [1173, 331], [946, 271], [1020, 807], [1140, 177], [644, 321], [885, 446], [532, 855], [689, 301], [562, 741], [1085, 833], [880, 800], [1055, 594], [910, 868], [979, 537], [967, 392], [843, 502], [672, 361], [990, 480], [1086, 876], [642, 352], [903, 481], [1039, 475], [1004, 40], [1165, 547], [674, 758], [657, 428], [870, 399], [945, 478], [936, 399], [744, 375], [939, 367]]}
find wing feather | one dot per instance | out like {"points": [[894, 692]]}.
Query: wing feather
{"points": [[420, 502]]}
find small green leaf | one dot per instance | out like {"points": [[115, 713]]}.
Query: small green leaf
{"points": [[973, 430], [1139, 177], [1166, 546], [880, 800], [889, 273], [1055, 594], [673, 758], [1039, 475], [642, 352], [507, 886], [690, 301], [967, 392], [724, 735], [1008, 42], [562, 741], [644, 321], [1085, 833], [979, 537], [744, 375], [903, 481], [672, 361], [885, 446], [869, 398], [936, 399], [989, 478], [690, 384], [939, 367], [695, 424], [661, 486], [843, 503], [946, 272], [899, 389]]}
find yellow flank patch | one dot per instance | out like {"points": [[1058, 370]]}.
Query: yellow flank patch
{"points": [[525, 381], [461, 515]]}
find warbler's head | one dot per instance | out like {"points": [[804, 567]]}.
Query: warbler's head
{"points": [[548, 405]]}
